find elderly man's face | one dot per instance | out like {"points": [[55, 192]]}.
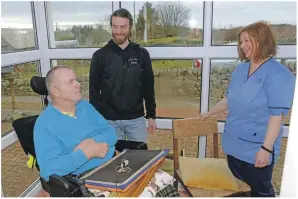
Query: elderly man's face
{"points": [[67, 86]]}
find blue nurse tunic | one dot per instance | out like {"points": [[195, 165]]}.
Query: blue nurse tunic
{"points": [[251, 101]]}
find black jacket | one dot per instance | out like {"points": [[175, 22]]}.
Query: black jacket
{"points": [[120, 80]]}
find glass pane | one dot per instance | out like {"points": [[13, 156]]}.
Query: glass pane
{"points": [[220, 74], [291, 65], [17, 98], [177, 85], [16, 177], [79, 24], [183, 27], [17, 29], [230, 17], [220, 77]]}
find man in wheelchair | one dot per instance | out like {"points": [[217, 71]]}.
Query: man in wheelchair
{"points": [[66, 118], [70, 136]]}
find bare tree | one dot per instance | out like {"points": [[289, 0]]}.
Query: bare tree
{"points": [[173, 14]]}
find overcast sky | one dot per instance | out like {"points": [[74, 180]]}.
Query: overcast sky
{"points": [[66, 14]]}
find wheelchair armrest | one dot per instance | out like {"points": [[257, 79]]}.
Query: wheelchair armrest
{"points": [[45, 185], [55, 179], [132, 145], [68, 186], [61, 187], [81, 184]]}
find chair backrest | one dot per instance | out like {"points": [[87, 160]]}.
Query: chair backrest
{"points": [[24, 126], [194, 127]]}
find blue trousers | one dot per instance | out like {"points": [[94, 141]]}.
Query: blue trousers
{"points": [[133, 130], [259, 179]]}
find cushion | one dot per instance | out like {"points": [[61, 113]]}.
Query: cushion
{"points": [[207, 173]]}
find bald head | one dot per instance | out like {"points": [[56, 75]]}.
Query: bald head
{"points": [[52, 76], [62, 84]]}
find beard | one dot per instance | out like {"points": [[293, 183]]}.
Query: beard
{"points": [[120, 38]]}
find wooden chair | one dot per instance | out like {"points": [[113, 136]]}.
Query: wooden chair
{"points": [[194, 127]]}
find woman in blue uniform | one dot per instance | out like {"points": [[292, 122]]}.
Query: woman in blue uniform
{"points": [[260, 93]]}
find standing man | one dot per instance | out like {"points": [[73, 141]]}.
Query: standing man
{"points": [[121, 79]]}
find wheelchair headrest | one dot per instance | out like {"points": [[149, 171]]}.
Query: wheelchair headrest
{"points": [[38, 85]]}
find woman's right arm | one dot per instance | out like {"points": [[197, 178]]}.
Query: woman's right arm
{"points": [[222, 105]]}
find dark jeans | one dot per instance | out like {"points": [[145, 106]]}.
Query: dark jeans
{"points": [[259, 179]]}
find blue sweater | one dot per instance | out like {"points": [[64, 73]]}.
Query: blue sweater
{"points": [[56, 135]]}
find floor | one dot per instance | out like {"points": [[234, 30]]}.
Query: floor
{"points": [[16, 177]]}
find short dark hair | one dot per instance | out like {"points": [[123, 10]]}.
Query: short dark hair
{"points": [[122, 12]]}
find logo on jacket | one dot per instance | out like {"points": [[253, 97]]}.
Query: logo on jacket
{"points": [[133, 61]]}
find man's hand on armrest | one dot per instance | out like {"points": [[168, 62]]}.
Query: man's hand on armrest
{"points": [[92, 149]]}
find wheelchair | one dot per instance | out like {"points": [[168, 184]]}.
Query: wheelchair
{"points": [[58, 186]]}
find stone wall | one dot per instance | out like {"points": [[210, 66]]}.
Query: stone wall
{"points": [[21, 86], [176, 82], [169, 82]]}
